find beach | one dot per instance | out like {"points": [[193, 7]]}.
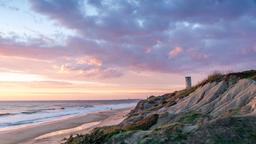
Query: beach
{"points": [[53, 132]]}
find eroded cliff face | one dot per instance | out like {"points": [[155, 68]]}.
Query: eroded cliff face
{"points": [[221, 109], [218, 98]]}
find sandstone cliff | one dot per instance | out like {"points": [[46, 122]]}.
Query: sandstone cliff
{"points": [[220, 109]]}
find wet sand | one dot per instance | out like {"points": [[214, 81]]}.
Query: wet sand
{"points": [[55, 131]]}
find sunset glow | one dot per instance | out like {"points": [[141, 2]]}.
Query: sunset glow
{"points": [[86, 49], [17, 77]]}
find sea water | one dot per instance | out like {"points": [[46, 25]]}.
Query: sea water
{"points": [[22, 113]]}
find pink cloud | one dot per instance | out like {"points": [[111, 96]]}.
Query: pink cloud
{"points": [[197, 55], [89, 60], [175, 52]]}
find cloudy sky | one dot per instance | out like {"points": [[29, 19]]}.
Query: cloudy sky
{"points": [[114, 49]]}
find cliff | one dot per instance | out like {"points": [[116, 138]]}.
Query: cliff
{"points": [[220, 109]]}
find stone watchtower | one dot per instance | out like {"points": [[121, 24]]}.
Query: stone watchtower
{"points": [[188, 82]]}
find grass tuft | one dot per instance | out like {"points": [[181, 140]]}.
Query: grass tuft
{"points": [[143, 124], [190, 118]]}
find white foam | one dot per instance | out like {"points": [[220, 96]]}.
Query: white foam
{"points": [[19, 120]]}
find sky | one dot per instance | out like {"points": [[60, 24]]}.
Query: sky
{"points": [[119, 49]]}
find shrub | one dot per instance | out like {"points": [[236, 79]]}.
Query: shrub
{"points": [[190, 118], [244, 74], [150, 141], [120, 137], [97, 136], [253, 77], [143, 124]]}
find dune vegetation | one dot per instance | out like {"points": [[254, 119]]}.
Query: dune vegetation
{"points": [[219, 110]]}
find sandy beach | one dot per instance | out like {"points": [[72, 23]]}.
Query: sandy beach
{"points": [[55, 131]]}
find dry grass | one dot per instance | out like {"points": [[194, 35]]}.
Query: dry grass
{"points": [[103, 134], [217, 77], [243, 75]]}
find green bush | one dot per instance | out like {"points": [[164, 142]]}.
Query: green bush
{"points": [[190, 118], [97, 136]]}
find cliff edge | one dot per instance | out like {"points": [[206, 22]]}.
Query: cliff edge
{"points": [[220, 109]]}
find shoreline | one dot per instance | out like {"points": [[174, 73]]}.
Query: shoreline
{"points": [[54, 131]]}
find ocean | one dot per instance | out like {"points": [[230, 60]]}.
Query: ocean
{"points": [[21, 113]]}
